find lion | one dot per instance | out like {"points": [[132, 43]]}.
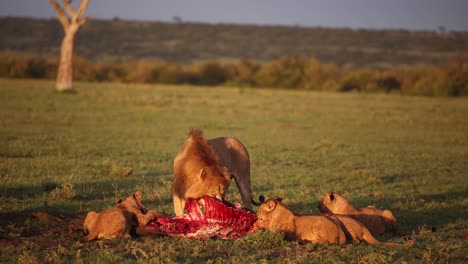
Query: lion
{"points": [[376, 220], [355, 231], [206, 167], [273, 215], [119, 221]]}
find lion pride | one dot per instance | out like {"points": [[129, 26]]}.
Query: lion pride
{"points": [[273, 215], [376, 220], [206, 167]]}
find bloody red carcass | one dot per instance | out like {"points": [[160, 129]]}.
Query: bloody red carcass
{"points": [[206, 217]]}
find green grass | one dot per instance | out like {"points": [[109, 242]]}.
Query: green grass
{"points": [[407, 154]]}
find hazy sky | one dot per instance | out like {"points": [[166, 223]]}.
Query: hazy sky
{"points": [[406, 14]]}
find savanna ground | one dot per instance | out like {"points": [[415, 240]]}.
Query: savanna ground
{"points": [[63, 155]]}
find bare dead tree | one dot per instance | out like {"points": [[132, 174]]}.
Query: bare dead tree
{"points": [[71, 24]]}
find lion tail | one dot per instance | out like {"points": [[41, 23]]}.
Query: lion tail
{"points": [[89, 237], [261, 199], [369, 238]]}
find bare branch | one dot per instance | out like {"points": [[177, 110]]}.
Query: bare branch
{"points": [[82, 21], [82, 8], [69, 7], [60, 14]]}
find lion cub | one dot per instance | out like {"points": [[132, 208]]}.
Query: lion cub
{"points": [[377, 221], [355, 231], [318, 229], [119, 221]]}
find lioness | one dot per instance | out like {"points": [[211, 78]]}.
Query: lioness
{"points": [[119, 221], [377, 221], [206, 167], [318, 229]]}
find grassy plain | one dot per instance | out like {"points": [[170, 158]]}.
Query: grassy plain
{"points": [[67, 154]]}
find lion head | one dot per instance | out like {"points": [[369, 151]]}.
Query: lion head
{"points": [[132, 203], [197, 170], [268, 212], [334, 203], [212, 181]]}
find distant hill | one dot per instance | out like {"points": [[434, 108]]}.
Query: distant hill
{"points": [[101, 40]]}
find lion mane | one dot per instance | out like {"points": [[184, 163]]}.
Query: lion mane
{"points": [[197, 172], [207, 167]]}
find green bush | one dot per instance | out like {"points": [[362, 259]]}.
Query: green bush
{"points": [[447, 79], [319, 76], [456, 76], [144, 71], [361, 80], [388, 82], [84, 70], [14, 65], [286, 72], [173, 74], [242, 73], [110, 72], [211, 73]]}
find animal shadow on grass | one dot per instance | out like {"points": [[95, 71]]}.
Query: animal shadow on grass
{"points": [[59, 220], [422, 209], [441, 210], [97, 193], [101, 186]]}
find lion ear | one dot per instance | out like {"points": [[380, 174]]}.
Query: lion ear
{"points": [[118, 200], [261, 198], [270, 205], [137, 195], [332, 196], [202, 174]]}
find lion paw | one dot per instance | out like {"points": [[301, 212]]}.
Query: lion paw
{"points": [[153, 214]]}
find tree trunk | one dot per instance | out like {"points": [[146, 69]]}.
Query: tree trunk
{"points": [[65, 69], [70, 26]]}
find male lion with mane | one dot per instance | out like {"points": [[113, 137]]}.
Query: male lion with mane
{"points": [[119, 221], [206, 167]]}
